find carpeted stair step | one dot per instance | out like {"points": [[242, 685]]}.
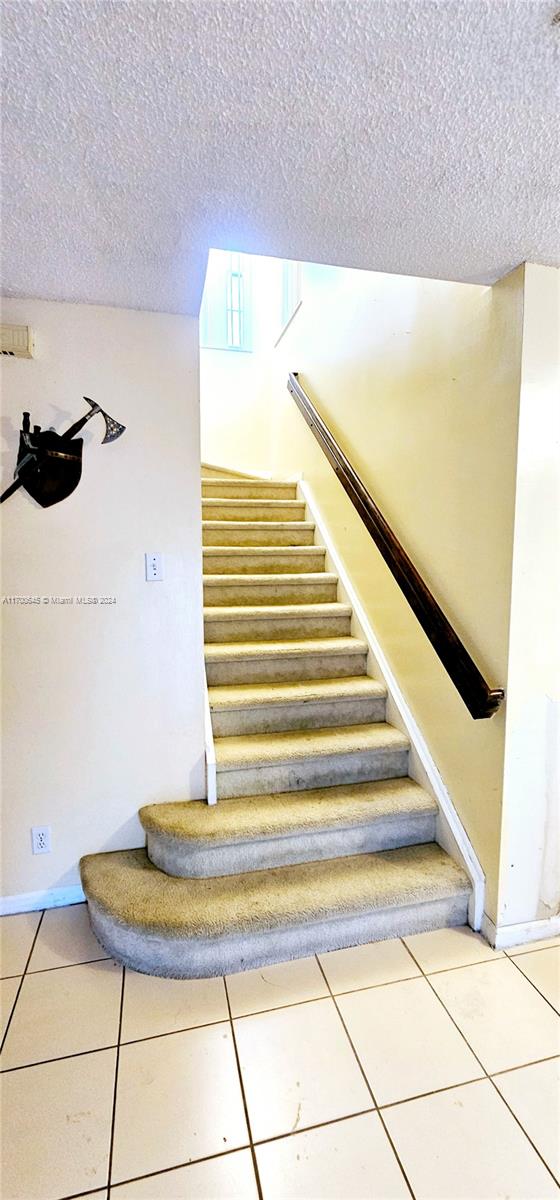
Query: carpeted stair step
{"points": [[305, 704], [249, 489], [252, 510], [259, 763], [261, 661], [248, 834], [258, 533], [276, 622], [193, 928], [233, 590], [263, 560]]}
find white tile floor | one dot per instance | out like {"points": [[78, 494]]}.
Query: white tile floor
{"points": [[427, 1067]]}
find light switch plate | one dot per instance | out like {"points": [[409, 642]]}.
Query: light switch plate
{"points": [[154, 567]]}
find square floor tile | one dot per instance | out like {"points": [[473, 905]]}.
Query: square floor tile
{"points": [[57, 1127], [528, 947], [533, 1094], [231, 1176], [8, 993], [442, 949], [405, 1040], [351, 1159], [16, 940], [501, 1015], [64, 1012], [65, 937], [464, 1145], [367, 966], [272, 987], [298, 1069], [178, 1099], [154, 1006], [543, 969]]}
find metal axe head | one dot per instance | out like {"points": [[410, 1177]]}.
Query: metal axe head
{"points": [[113, 429]]}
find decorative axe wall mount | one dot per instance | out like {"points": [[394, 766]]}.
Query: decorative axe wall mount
{"points": [[49, 464]]}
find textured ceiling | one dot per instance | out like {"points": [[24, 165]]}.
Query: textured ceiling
{"points": [[413, 136]]}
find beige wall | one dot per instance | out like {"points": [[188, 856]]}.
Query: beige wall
{"points": [[419, 381], [102, 705], [530, 852]]}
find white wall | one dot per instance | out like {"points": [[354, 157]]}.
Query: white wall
{"points": [[102, 704], [530, 844], [235, 419]]}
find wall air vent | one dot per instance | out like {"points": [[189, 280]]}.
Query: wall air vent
{"points": [[16, 341]]}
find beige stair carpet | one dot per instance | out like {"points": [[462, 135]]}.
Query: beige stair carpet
{"points": [[320, 839]]}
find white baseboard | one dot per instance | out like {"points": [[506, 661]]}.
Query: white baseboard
{"points": [[504, 936], [451, 833], [33, 901]]}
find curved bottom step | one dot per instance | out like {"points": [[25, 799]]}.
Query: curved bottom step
{"points": [[253, 833], [195, 928]]}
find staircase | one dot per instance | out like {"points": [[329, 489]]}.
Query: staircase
{"points": [[320, 839]]}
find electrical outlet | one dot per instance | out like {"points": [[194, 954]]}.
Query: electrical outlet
{"points": [[41, 839], [154, 567]]}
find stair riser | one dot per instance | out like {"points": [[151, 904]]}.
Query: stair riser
{"points": [[276, 629], [240, 533], [231, 510], [264, 563], [325, 771], [285, 670], [218, 595], [199, 958], [304, 715], [188, 860], [225, 489]]}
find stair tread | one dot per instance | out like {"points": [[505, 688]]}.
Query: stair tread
{"points": [[266, 551], [305, 579], [288, 746], [235, 612], [252, 502], [248, 695], [215, 523], [218, 651], [131, 891], [250, 481], [271, 816]]}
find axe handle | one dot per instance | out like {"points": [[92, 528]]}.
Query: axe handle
{"points": [[75, 428]]}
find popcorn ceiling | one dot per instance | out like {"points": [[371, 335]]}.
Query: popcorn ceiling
{"points": [[410, 136]]}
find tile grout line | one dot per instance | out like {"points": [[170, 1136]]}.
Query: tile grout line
{"points": [[82, 962], [114, 1109], [499, 956], [191, 1162], [92, 1192], [537, 988], [366, 1081], [243, 1095], [17, 995], [486, 1074]]}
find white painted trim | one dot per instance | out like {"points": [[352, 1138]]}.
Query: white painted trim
{"points": [[33, 901], [210, 751], [504, 936], [204, 466], [451, 833], [285, 327]]}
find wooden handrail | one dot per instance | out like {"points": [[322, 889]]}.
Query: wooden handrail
{"points": [[480, 699]]}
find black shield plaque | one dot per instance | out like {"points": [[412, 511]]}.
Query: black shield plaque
{"points": [[55, 469]]}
